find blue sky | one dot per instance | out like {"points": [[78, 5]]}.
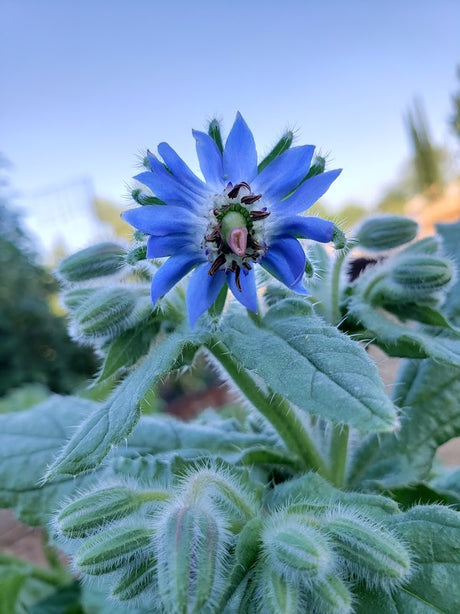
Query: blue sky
{"points": [[87, 85]]}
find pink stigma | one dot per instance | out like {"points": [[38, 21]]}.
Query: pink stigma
{"points": [[238, 241]]}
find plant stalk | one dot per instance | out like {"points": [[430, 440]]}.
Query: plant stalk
{"points": [[278, 411]]}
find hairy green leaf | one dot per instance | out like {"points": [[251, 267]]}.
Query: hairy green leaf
{"points": [[312, 365], [28, 442], [428, 394], [113, 421]]}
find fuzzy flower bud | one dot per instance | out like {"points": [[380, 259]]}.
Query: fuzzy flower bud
{"points": [[386, 232], [296, 550], [191, 551], [86, 515], [111, 549], [331, 595], [370, 551], [140, 577], [422, 274], [107, 310], [95, 261]]}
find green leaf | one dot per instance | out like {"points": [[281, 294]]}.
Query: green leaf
{"points": [[398, 340], [111, 423], [428, 393], [431, 532], [128, 348], [426, 314], [312, 365], [28, 442]]}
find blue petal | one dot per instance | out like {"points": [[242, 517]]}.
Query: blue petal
{"points": [[313, 228], [171, 272], [210, 159], [240, 155], [285, 172], [285, 260], [160, 220], [248, 294], [181, 171], [202, 291], [307, 194], [166, 187], [168, 245]]}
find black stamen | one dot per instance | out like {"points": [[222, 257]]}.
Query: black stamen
{"points": [[258, 215], [251, 198], [235, 191], [215, 266]]}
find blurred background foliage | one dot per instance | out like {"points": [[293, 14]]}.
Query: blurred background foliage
{"points": [[34, 344]]}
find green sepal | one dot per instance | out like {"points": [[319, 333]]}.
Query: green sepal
{"points": [[215, 134], [141, 198], [281, 146]]}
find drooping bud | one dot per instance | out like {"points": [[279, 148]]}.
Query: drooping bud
{"points": [[72, 299], [111, 549], [106, 311], [93, 262], [369, 551], [386, 232], [296, 550], [140, 577], [279, 595], [422, 274], [330, 594], [191, 550], [86, 515]]}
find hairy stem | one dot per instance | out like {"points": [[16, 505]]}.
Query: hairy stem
{"points": [[283, 416], [335, 287], [339, 454]]}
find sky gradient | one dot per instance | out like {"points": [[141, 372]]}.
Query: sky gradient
{"points": [[88, 85]]}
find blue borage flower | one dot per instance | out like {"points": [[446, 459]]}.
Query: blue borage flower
{"points": [[235, 219]]}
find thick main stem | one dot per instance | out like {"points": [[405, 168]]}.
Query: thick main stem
{"points": [[277, 410]]}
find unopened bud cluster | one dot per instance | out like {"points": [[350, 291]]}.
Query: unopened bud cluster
{"points": [[99, 294], [206, 543]]}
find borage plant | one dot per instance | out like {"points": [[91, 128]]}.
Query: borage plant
{"points": [[315, 491]]}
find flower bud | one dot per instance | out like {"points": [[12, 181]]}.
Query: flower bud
{"points": [[111, 549], [95, 261], [86, 515], [141, 576], [107, 310], [74, 298], [371, 552], [296, 550], [279, 595], [191, 551], [421, 274], [387, 232], [331, 595]]}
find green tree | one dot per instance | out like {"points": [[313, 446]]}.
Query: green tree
{"points": [[34, 344]]}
